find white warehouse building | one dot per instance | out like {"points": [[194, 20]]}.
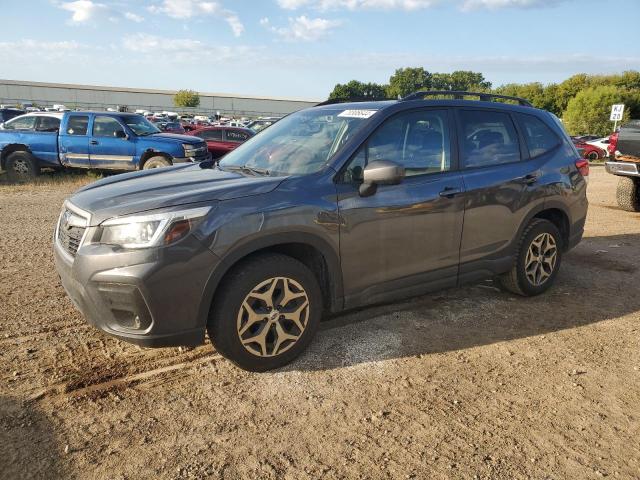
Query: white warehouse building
{"points": [[92, 97]]}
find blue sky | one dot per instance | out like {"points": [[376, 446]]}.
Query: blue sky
{"points": [[302, 48]]}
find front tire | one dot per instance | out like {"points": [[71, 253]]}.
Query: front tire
{"points": [[593, 156], [156, 162], [266, 312], [628, 194], [22, 167], [537, 261]]}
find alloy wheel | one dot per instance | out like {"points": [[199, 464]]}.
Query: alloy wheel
{"points": [[21, 167], [541, 258], [273, 317]]}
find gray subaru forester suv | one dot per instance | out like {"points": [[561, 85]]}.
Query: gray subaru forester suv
{"points": [[331, 208]]}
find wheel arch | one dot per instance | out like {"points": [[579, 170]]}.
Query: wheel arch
{"points": [[149, 153], [311, 250], [9, 149], [556, 214]]}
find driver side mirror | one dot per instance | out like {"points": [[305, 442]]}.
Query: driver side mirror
{"points": [[380, 172], [121, 134]]}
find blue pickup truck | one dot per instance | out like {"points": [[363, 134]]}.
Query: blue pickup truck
{"points": [[97, 140]]}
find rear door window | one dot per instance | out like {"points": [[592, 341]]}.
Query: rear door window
{"points": [[77, 125], [47, 124], [487, 138], [236, 136], [539, 137]]}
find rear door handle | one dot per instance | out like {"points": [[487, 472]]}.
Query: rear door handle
{"points": [[529, 179], [94, 142], [450, 192]]}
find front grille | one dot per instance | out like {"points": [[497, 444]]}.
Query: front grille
{"points": [[70, 232]]}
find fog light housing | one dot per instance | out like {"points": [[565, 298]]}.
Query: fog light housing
{"points": [[127, 308]]}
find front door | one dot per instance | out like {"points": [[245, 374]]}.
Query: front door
{"points": [[74, 142], [403, 239], [109, 146]]}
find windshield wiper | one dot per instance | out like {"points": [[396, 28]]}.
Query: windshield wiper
{"points": [[247, 169]]}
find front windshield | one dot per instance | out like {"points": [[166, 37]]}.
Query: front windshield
{"points": [[300, 143], [140, 125]]}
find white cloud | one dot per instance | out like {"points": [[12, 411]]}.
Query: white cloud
{"points": [[496, 4], [84, 10], [358, 4], [153, 48], [187, 9], [303, 28], [133, 17], [87, 11], [411, 5]]}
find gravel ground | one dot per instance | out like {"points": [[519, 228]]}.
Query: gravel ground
{"points": [[465, 383]]}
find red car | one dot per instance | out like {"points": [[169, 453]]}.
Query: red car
{"points": [[221, 140], [591, 152]]}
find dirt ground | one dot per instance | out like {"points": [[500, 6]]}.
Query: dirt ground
{"points": [[466, 383]]}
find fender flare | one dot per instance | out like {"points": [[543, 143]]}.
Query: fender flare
{"points": [[243, 250], [543, 206], [9, 149]]}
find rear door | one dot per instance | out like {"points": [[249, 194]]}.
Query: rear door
{"points": [[215, 144], [110, 145], [233, 138], [44, 143], [500, 189], [74, 141]]}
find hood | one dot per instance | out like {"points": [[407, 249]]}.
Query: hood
{"points": [[174, 138], [137, 192]]}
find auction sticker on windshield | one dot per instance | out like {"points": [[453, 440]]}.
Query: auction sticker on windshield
{"points": [[357, 113]]}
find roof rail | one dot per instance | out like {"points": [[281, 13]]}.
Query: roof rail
{"points": [[347, 100], [485, 97]]}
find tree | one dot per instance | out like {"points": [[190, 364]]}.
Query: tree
{"points": [[460, 80], [588, 112], [355, 90], [186, 98], [408, 80], [534, 92]]}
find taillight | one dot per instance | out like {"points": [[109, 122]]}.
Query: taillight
{"points": [[613, 144], [583, 167]]}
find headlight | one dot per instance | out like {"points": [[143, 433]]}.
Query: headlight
{"points": [[189, 150], [143, 231]]}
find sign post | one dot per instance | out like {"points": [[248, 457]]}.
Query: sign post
{"points": [[616, 114]]}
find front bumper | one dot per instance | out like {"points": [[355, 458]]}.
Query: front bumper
{"points": [[631, 169], [150, 297], [197, 159]]}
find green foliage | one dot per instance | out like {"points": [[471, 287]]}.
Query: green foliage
{"points": [[583, 101], [357, 91], [408, 80], [186, 98], [460, 80], [589, 110]]}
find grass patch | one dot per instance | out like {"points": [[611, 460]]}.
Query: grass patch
{"points": [[47, 178]]}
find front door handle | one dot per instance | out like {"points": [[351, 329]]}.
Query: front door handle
{"points": [[94, 142], [450, 192]]}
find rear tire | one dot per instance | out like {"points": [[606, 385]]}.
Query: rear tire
{"points": [[156, 162], [628, 194], [266, 312], [537, 260], [22, 167], [593, 156]]}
